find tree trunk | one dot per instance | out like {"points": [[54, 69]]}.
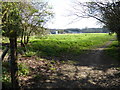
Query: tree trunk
{"points": [[22, 44], [27, 40], [4, 53], [13, 63], [118, 38], [21, 41], [24, 39]]}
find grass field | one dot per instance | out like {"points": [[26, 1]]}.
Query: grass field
{"points": [[72, 44]]}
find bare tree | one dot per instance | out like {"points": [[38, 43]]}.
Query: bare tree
{"points": [[106, 12]]}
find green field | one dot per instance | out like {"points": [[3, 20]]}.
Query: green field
{"points": [[67, 44]]}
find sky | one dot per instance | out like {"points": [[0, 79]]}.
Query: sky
{"points": [[61, 19]]}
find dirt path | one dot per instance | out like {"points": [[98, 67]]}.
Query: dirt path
{"points": [[92, 70], [97, 57]]}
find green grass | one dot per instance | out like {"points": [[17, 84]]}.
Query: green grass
{"points": [[72, 44], [113, 50]]}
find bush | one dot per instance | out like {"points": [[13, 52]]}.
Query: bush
{"points": [[23, 69], [29, 54], [6, 80]]}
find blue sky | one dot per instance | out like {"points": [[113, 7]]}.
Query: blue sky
{"points": [[61, 20]]}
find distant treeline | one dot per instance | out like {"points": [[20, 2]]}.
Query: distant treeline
{"points": [[76, 30]]}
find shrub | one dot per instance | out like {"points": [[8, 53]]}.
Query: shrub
{"points": [[29, 54], [23, 69]]}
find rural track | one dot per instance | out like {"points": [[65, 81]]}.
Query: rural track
{"points": [[93, 70], [97, 57]]}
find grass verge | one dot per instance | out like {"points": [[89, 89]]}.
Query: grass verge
{"points": [[113, 50]]}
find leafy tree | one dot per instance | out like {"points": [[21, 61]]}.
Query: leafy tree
{"points": [[35, 15], [106, 12], [20, 20], [11, 28]]}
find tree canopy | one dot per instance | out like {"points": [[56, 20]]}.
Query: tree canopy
{"points": [[11, 19]]}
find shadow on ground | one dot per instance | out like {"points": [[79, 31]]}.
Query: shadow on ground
{"points": [[92, 70], [94, 78]]}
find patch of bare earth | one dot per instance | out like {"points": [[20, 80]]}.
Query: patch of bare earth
{"points": [[93, 70]]}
